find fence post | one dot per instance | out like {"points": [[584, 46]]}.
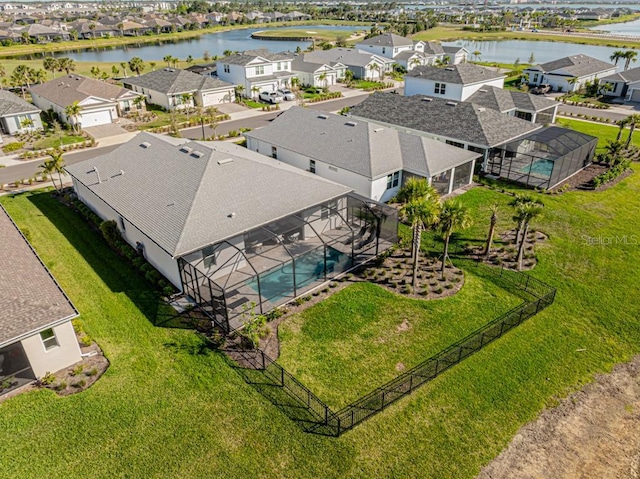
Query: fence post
{"points": [[481, 341], [383, 391], [411, 383], [526, 285], [263, 365], [282, 375]]}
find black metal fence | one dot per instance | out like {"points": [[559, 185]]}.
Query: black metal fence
{"points": [[314, 416]]}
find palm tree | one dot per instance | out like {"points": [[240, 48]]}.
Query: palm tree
{"points": [[120, 26], [66, 64], [422, 213], [323, 78], [634, 120], [123, 65], [525, 214], [54, 164], [622, 124], [492, 228], [573, 81], [167, 58], [453, 216], [616, 56], [477, 54], [73, 111], [239, 90], [153, 66], [3, 72], [415, 189], [186, 99], [51, 65], [227, 53], [136, 65], [139, 101], [614, 151], [189, 60], [95, 71], [212, 116], [115, 71], [629, 56], [254, 91], [519, 200]]}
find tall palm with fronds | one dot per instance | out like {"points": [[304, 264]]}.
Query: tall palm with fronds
{"points": [[66, 64], [525, 213], [477, 54], [492, 228], [254, 91], [422, 213], [136, 65], [73, 111], [167, 59], [3, 73], [516, 202], [55, 164], [629, 56], [124, 65], [413, 189], [51, 65], [453, 216], [616, 56], [634, 120], [622, 124], [573, 81]]}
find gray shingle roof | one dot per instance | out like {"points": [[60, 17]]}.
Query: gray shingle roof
{"points": [[434, 48], [11, 104], [461, 74], [460, 121], [365, 148], [66, 89], [346, 56], [576, 65], [183, 203], [246, 57], [627, 76], [387, 40], [507, 100], [31, 300], [173, 80]]}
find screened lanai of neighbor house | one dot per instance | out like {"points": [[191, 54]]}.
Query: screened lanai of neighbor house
{"points": [[544, 158], [236, 231]]}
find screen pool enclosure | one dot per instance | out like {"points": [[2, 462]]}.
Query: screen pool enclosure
{"points": [[274, 263], [544, 158]]}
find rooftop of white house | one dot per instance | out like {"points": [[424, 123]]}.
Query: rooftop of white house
{"points": [[576, 65], [462, 74], [189, 196], [507, 100], [359, 146], [173, 80]]}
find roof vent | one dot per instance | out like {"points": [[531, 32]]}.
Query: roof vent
{"points": [[225, 161], [378, 130], [185, 149], [231, 215], [449, 69], [481, 109], [95, 170], [145, 145], [427, 99], [323, 117], [351, 123], [451, 103], [197, 154], [482, 90]]}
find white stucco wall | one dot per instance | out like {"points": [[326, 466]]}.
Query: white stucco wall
{"points": [[64, 355], [159, 258], [453, 91]]}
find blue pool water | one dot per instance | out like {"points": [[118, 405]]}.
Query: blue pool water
{"points": [[539, 168], [277, 283]]}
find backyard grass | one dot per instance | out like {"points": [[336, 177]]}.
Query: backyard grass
{"points": [[170, 407], [353, 342], [604, 133]]}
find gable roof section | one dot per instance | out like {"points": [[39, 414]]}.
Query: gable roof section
{"points": [[183, 201], [63, 91], [507, 100], [255, 56], [433, 48], [387, 40], [31, 299], [576, 65], [11, 104], [460, 121], [461, 74], [628, 76], [359, 146], [174, 80], [346, 56]]}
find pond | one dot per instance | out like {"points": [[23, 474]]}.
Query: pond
{"points": [[214, 43], [628, 28], [506, 51]]}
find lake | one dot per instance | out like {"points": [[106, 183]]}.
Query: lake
{"points": [[214, 43], [629, 28], [506, 51]]}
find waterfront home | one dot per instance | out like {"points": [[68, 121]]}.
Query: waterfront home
{"points": [[365, 66], [454, 82], [568, 73], [310, 72], [17, 115], [533, 108], [257, 70], [625, 84]]}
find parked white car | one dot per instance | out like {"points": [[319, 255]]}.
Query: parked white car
{"points": [[286, 94], [271, 96]]}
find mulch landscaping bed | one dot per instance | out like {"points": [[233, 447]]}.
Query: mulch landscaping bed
{"points": [[583, 179], [505, 253]]}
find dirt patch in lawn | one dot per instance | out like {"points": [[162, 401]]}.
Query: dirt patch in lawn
{"points": [[593, 434], [583, 179]]}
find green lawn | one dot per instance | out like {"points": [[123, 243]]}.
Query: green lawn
{"points": [[53, 142], [351, 343], [604, 133], [319, 35], [169, 407]]}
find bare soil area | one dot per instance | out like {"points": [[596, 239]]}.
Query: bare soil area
{"points": [[593, 434]]}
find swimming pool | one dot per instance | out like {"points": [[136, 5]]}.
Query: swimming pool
{"points": [[278, 283], [539, 168]]}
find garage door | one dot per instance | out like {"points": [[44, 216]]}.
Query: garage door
{"points": [[635, 95], [94, 118], [214, 99]]}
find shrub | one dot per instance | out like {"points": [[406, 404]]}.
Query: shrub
{"points": [[78, 368], [10, 147], [47, 379], [255, 329], [85, 340], [167, 291], [275, 314], [80, 384], [61, 386], [110, 231]]}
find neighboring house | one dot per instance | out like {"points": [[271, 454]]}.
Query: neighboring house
{"points": [[172, 88], [257, 70], [366, 66], [229, 227], [455, 82], [387, 45], [372, 159], [316, 74], [208, 69], [100, 102], [568, 73], [512, 148], [625, 84], [533, 108], [456, 54], [17, 115], [36, 335]]}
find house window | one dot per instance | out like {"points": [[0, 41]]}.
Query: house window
{"points": [[49, 339], [312, 166], [440, 88], [535, 78], [121, 222], [393, 180], [274, 152], [278, 66], [226, 68], [455, 143], [384, 50], [209, 256], [260, 70], [524, 115]]}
